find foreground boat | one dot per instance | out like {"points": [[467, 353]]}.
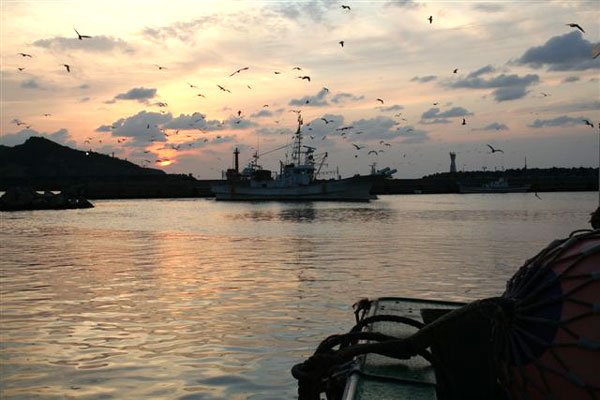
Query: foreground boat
{"points": [[378, 377], [538, 340], [296, 180]]}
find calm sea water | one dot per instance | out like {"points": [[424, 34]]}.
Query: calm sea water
{"points": [[198, 299]]}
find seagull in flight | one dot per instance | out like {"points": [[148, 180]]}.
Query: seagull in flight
{"points": [[436, 103], [325, 89], [380, 100], [341, 42], [277, 72], [81, 37], [20, 68], [297, 68], [430, 19], [239, 70], [346, 7], [304, 77], [159, 67], [464, 122], [47, 115], [201, 95], [67, 66], [192, 86], [25, 55], [494, 150], [573, 25], [455, 70], [223, 89], [588, 123], [373, 151], [326, 120]]}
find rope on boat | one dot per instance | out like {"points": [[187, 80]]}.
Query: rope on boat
{"points": [[512, 346]]}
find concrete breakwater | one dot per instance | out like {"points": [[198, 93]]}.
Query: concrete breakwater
{"points": [[185, 186]]}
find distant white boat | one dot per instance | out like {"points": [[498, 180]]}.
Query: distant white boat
{"points": [[499, 186]]}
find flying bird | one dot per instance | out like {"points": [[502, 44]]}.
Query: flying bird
{"points": [[326, 120], [239, 70], [341, 42], [161, 104], [47, 115], [248, 86], [297, 68], [277, 72], [430, 19], [159, 67], [455, 70], [67, 66], [265, 105], [572, 25], [325, 89], [494, 150], [20, 68], [192, 86], [436, 103], [464, 122], [201, 95], [544, 94], [537, 195], [25, 55], [380, 101], [223, 89], [81, 37], [346, 7], [588, 123], [373, 151], [304, 77]]}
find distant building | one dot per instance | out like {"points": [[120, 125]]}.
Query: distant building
{"points": [[452, 162]]}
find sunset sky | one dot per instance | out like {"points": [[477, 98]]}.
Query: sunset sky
{"points": [[524, 84]]}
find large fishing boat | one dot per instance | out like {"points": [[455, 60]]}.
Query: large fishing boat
{"points": [[296, 180]]}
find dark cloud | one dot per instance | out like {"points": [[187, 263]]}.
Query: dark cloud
{"points": [[103, 128], [435, 113], [313, 9], [140, 94], [488, 7], [184, 31], [572, 107], [61, 136], [424, 79], [508, 87], [481, 71], [569, 52], [382, 128], [558, 121], [402, 3], [317, 100], [435, 121], [96, 44], [570, 79], [494, 126], [262, 114], [142, 128], [30, 84], [395, 107], [344, 97]]}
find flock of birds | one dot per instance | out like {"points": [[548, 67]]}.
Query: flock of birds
{"points": [[343, 131]]}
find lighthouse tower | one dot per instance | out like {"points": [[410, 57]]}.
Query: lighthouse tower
{"points": [[452, 162]]}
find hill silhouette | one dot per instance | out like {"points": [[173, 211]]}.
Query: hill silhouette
{"points": [[42, 164], [40, 157]]}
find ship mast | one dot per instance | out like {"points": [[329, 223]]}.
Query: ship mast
{"points": [[296, 154]]}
